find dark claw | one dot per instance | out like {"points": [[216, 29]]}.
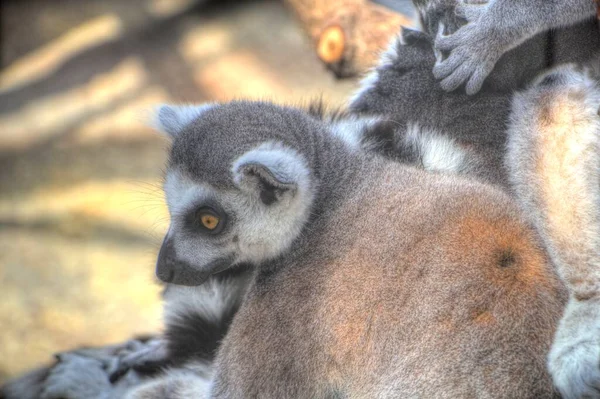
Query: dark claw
{"points": [[118, 374]]}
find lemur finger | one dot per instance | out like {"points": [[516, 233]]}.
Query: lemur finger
{"points": [[151, 352], [457, 78], [477, 79], [444, 68], [66, 357], [446, 42]]}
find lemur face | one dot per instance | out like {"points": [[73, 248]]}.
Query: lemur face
{"points": [[236, 188]]}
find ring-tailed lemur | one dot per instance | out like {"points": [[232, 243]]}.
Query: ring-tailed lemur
{"points": [[310, 346], [405, 146], [349, 298], [413, 149], [403, 88], [494, 27], [492, 300], [575, 359]]}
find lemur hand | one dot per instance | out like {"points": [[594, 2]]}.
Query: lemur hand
{"points": [[77, 377], [474, 48], [144, 357]]}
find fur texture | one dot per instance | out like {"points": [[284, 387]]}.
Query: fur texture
{"points": [[554, 156], [401, 88], [192, 381], [404, 90]]}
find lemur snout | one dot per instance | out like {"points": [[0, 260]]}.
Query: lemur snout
{"points": [[173, 270]]}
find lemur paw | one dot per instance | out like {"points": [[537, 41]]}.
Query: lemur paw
{"points": [[574, 359], [144, 357], [77, 377], [474, 49]]}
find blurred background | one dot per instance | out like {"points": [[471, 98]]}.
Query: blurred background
{"points": [[81, 206]]}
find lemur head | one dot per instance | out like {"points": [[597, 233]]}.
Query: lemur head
{"points": [[239, 185]]}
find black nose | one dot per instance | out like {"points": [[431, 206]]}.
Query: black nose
{"points": [[165, 266]]}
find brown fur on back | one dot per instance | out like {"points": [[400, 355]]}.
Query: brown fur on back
{"points": [[422, 285]]}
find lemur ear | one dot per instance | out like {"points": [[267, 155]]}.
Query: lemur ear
{"points": [[412, 37], [273, 173], [171, 119]]}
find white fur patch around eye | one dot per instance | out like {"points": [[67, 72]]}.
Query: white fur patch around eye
{"points": [[181, 192], [172, 119], [438, 152], [284, 163], [351, 130]]}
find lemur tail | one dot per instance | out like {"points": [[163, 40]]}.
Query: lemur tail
{"points": [[197, 318], [554, 158]]}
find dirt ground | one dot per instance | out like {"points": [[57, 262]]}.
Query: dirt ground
{"points": [[81, 209]]}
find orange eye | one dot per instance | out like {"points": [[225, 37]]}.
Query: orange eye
{"points": [[209, 221]]}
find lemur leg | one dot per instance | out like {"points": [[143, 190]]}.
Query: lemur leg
{"points": [[554, 161]]}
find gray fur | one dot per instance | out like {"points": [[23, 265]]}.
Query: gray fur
{"points": [[404, 90], [261, 167], [495, 27], [27, 386], [191, 381]]}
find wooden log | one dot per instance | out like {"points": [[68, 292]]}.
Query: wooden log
{"points": [[348, 35]]}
